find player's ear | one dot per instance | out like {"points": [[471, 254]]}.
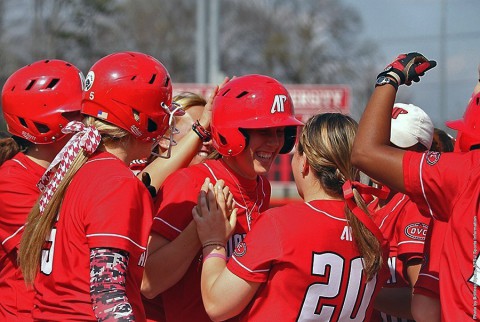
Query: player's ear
{"points": [[305, 166]]}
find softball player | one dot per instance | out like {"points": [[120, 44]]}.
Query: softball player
{"points": [[91, 264], [192, 151], [426, 299], [38, 100], [443, 185], [252, 121], [316, 260]]}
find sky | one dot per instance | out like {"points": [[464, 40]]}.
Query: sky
{"points": [[408, 25]]}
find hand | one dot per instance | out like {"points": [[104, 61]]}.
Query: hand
{"points": [[408, 67], [207, 111], [214, 221], [147, 182]]}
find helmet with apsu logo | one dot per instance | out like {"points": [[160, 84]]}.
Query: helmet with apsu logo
{"points": [[132, 91], [468, 127], [251, 102], [38, 100]]}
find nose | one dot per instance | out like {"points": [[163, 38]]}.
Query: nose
{"points": [[276, 138]]}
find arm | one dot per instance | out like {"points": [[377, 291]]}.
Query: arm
{"points": [[394, 301], [224, 294], [108, 275], [425, 308], [186, 149], [168, 261], [371, 151]]}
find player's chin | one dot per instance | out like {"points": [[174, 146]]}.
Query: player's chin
{"points": [[262, 168]]}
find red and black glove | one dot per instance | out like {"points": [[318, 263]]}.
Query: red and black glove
{"points": [[408, 67]]}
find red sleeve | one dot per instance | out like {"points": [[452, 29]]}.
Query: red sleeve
{"points": [[427, 283], [253, 257], [128, 226], [176, 198], [411, 230], [432, 182]]}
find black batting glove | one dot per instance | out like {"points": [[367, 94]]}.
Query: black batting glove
{"points": [[147, 182], [408, 67]]}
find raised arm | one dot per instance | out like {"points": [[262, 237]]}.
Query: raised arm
{"points": [[372, 152]]}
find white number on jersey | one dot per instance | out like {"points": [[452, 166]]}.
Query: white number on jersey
{"points": [[475, 279], [353, 296], [47, 253]]}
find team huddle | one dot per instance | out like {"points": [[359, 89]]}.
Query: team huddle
{"points": [[122, 202]]}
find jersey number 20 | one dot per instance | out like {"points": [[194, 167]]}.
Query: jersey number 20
{"points": [[356, 298]]}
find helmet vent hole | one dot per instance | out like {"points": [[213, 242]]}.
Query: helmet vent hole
{"points": [[136, 115], [478, 100], [22, 121], [222, 139], [242, 94], [42, 128], [30, 85], [226, 92], [53, 83], [167, 82], [152, 80], [151, 126], [133, 78]]}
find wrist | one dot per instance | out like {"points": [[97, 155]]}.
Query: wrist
{"points": [[213, 245], [386, 79], [204, 134]]}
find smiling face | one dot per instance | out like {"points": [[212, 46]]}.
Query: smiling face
{"points": [[257, 158]]}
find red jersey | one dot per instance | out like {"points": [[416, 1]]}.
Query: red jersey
{"points": [[427, 283], [105, 206], [177, 197], [447, 186], [306, 258], [18, 194], [402, 224]]}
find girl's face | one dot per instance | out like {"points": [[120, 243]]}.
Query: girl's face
{"points": [[257, 158]]}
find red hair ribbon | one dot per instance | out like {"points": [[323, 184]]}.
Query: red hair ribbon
{"points": [[364, 189]]}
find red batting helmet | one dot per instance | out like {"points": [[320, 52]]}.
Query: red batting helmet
{"points": [[130, 90], [251, 102], [469, 126], [36, 99]]}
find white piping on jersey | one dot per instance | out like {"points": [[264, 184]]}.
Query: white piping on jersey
{"points": [[325, 213], [120, 236], [166, 223], [248, 269], [393, 209], [101, 159], [18, 161], [423, 187], [411, 242], [428, 275], [12, 235]]}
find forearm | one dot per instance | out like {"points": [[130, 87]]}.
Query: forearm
{"points": [[168, 262], [371, 151], [395, 302], [108, 271], [181, 156], [224, 294]]}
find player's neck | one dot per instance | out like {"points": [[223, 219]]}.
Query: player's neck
{"points": [[43, 154]]}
